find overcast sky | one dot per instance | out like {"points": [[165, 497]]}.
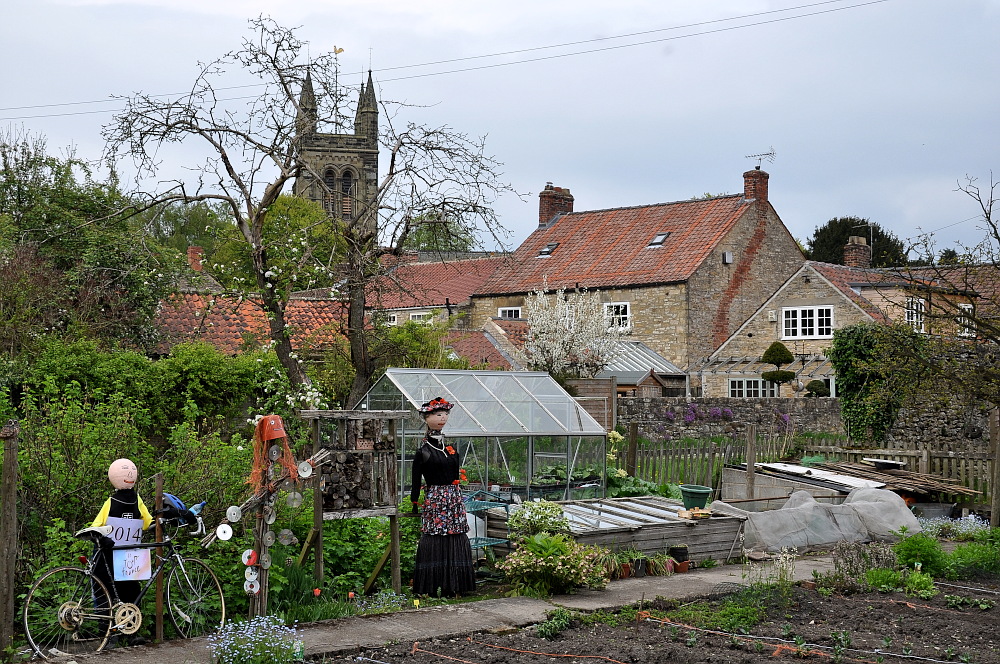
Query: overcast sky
{"points": [[873, 108]]}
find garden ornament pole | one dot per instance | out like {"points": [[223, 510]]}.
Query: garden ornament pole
{"points": [[8, 530], [995, 479]]}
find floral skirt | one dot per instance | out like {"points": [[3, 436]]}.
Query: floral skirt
{"points": [[444, 511]]}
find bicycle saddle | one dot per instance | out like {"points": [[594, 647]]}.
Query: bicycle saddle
{"points": [[94, 532]]}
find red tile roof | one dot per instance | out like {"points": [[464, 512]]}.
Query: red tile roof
{"points": [[842, 277], [475, 346], [516, 330], [432, 284], [233, 324], [608, 248]]}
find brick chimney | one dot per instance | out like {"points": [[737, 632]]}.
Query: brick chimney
{"points": [[553, 201], [857, 253], [195, 256], [755, 185]]}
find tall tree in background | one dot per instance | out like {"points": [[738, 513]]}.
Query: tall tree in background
{"points": [[73, 260], [250, 153], [827, 242]]}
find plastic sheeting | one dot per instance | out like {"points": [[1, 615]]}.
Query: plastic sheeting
{"points": [[803, 523]]}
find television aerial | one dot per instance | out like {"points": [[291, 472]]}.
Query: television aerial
{"points": [[769, 155]]}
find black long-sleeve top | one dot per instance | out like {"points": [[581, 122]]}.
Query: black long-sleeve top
{"points": [[435, 466]]}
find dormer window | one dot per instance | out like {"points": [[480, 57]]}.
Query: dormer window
{"points": [[658, 239], [548, 249]]}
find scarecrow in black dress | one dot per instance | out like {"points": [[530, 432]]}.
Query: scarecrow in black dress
{"points": [[444, 555]]}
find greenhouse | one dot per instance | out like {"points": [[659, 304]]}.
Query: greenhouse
{"points": [[520, 435]]}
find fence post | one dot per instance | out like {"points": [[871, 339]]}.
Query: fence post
{"points": [[633, 447], [751, 458], [995, 463], [158, 505], [924, 465], [8, 532]]}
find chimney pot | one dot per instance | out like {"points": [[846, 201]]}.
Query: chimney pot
{"points": [[857, 253], [551, 202], [755, 185], [195, 256]]}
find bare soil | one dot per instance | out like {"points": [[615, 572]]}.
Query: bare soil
{"points": [[880, 627]]}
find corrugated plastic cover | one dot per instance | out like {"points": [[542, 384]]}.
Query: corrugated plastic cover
{"points": [[488, 403]]}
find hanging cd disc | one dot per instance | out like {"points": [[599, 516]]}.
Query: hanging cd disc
{"points": [[286, 537], [294, 499], [268, 539], [251, 587], [249, 557], [305, 470], [265, 561], [251, 573], [224, 531], [270, 515], [274, 452], [234, 513]]}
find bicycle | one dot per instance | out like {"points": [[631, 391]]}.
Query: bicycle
{"points": [[69, 610]]}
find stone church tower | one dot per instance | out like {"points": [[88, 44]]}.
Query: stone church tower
{"points": [[340, 170]]}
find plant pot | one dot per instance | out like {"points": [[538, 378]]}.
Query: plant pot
{"points": [[695, 495], [678, 553], [624, 570], [682, 567], [639, 568]]}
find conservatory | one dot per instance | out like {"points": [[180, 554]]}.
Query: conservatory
{"points": [[520, 435]]}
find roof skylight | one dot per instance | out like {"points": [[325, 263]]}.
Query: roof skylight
{"points": [[548, 249], [659, 239]]}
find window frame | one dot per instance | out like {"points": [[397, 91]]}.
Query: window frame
{"points": [[501, 310], [966, 320], [626, 317], [762, 389], [815, 319], [916, 308], [392, 319], [425, 317]]}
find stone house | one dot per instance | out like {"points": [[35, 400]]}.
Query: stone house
{"points": [[806, 310], [680, 277]]}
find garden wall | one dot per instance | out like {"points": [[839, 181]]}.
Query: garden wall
{"points": [[672, 418]]}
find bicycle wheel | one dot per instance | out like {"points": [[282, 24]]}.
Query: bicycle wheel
{"points": [[194, 598], [67, 611]]}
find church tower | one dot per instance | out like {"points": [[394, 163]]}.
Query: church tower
{"points": [[340, 171]]}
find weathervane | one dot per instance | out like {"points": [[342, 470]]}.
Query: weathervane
{"points": [[769, 155]]}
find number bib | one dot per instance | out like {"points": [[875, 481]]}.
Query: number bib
{"points": [[131, 564]]}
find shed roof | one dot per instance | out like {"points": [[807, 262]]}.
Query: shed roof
{"points": [[487, 403]]}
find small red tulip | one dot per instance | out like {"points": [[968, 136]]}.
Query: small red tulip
{"points": [[316, 592], [350, 595]]}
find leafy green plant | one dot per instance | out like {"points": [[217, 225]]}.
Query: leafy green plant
{"points": [[973, 560], [923, 549], [919, 584], [536, 517], [260, 640], [557, 621], [546, 564], [884, 580]]}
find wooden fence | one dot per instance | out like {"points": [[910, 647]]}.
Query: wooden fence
{"points": [[701, 461], [695, 461]]}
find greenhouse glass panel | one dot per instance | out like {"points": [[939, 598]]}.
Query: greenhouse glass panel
{"points": [[519, 434]]}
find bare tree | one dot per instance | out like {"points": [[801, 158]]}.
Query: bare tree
{"points": [[251, 150]]}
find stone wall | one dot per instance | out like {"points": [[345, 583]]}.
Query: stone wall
{"points": [[660, 418], [937, 425]]}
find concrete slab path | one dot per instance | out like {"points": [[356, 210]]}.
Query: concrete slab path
{"points": [[345, 635]]}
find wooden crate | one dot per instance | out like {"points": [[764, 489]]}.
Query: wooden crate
{"points": [[659, 528]]}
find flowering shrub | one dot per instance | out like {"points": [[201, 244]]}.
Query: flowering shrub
{"points": [[260, 640], [545, 564]]}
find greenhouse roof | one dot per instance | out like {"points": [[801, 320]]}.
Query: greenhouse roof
{"points": [[488, 403]]}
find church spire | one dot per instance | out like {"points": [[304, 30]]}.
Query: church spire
{"points": [[305, 119], [366, 118]]}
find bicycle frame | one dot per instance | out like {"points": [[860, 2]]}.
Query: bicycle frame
{"points": [[171, 558]]}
